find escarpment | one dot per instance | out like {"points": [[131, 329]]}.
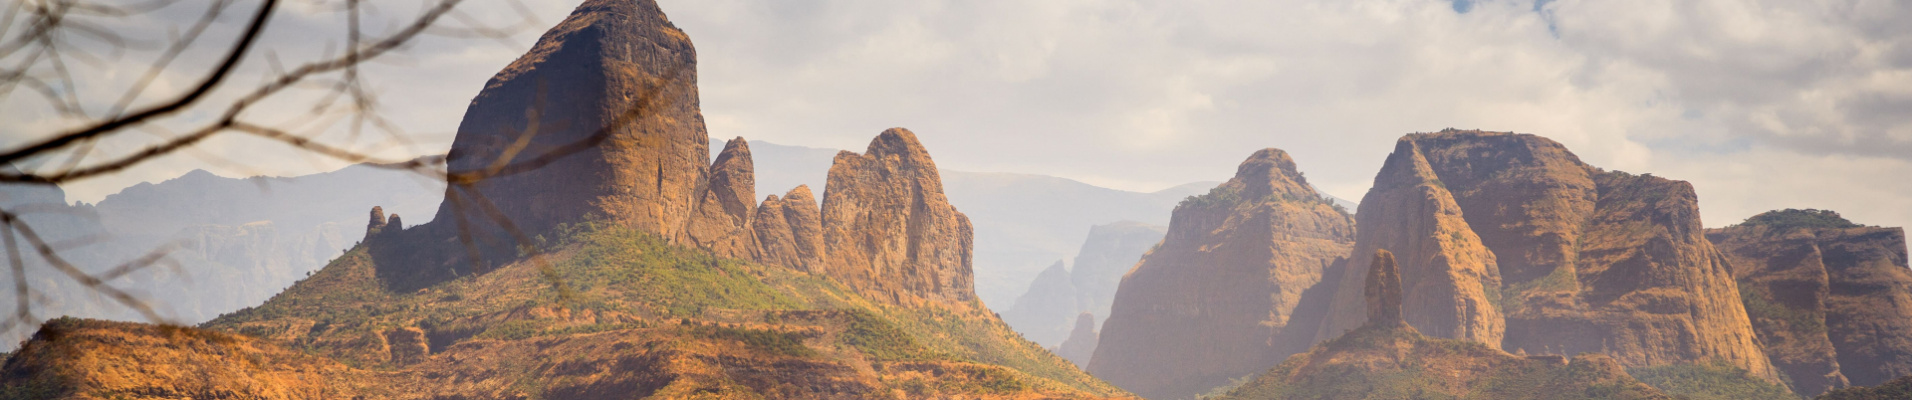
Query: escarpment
{"points": [[1587, 260], [1231, 290], [1830, 299]]}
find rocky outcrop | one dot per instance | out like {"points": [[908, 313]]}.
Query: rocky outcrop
{"points": [[1231, 290], [1047, 313], [888, 230], [722, 219], [1831, 300], [1451, 279], [377, 222], [1588, 260], [1383, 290], [1081, 342], [599, 118], [789, 231]]}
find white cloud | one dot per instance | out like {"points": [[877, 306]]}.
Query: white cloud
{"points": [[1761, 103]]}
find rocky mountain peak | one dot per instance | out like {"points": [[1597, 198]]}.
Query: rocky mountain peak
{"points": [[889, 230], [616, 77], [724, 207], [1233, 288], [1270, 172]]}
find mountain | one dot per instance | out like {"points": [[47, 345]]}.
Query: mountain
{"points": [[228, 242], [634, 267], [1231, 290], [1830, 299], [1386, 358], [1047, 312], [1576, 259]]}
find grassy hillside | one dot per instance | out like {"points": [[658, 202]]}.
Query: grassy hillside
{"points": [[613, 310]]}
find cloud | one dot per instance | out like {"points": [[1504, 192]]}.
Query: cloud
{"points": [[1761, 103]]}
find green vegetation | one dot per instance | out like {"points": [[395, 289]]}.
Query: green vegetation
{"points": [[1759, 305], [1896, 389], [601, 277], [880, 339], [768, 341], [1797, 218], [1710, 381]]}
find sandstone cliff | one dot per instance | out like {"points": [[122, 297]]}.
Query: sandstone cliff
{"points": [[1831, 300], [789, 231], [889, 232], [1451, 280], [1588, 260], [1228, 292], [1387, 359]]}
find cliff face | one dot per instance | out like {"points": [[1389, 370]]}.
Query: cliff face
{"points": [[1225, 294], [1831, 301], [789, 231], [889, 232], [1451, 279], [1386, 358], [1587, 260]]}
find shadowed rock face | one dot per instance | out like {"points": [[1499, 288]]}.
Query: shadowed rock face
{"points": [[1586, 260], [617, 66], [1831, 302], [888, 230], [1233, 288]]}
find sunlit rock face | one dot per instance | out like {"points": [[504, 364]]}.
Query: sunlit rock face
{"points": [[1577, 258], [1830, 299]]}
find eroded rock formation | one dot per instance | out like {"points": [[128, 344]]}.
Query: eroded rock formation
{"points": [[1450, 278], [888, 230], [1228, 292], [722, 219], [1830, 299], [1383, 290], [1588, 260], [600, 117], [789, 231]]}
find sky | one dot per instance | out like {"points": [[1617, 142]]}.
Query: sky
{"points": [[1760, 104]]}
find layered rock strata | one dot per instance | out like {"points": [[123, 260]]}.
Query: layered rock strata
{"points": [[1588, 260], [1232, 290], [1831, 300]]}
